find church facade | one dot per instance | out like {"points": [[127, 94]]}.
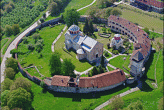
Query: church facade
{"points": [[85, 47]]}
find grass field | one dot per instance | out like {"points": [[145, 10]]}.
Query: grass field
{"points": [[143, 20], [48, 35], [119, 62], [2, 43], [73, 4], [109, 68], [33, 72], [65, 101]]}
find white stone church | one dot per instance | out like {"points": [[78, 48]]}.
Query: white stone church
{"points": [[85, 47]]}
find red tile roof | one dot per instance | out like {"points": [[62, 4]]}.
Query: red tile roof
{"points": [[59, 80], [103, 80], [142, 36], [152, 3]]}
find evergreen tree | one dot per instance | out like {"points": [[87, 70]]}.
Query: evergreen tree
{"points": [[91, 29], [86, 27]]}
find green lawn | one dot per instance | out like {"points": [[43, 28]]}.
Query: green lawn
{"points": [[73, 4], [109, 68], [48, 35], [119, 62], [33, 72], [143, 20], [3, 42], [54, 101]]}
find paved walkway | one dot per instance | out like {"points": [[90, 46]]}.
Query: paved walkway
{"points": [[87, 5], [121, 95]]}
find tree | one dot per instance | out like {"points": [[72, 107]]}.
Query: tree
{"points": [[109, 30], [86, 27], [4, 97], [120, 49], [68, 67], [71, 17], [108, 11], [53, 8], [136, 106], [19, 98], [5, 108], [102, 61], [146, 30], [8, 30], [38, 46], [117, 103], [101, 3], [13, 52], [21, 82], [95, 71], [91, 29], [15, 29], [104, 30], [115, 52], [25, 41], [101, 70], [36, 36], [8, 8], [13, 63], [55, 64], [44, 15], [6, 84], [108, 45], [116, 11], [92, 11], [42, 84], [10, 73], [41, 20], [30, 47]]}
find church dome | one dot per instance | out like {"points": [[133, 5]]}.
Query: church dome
{"points": [[74, 29]]}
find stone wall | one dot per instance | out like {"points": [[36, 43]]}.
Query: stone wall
{"points": [[81, 90]]}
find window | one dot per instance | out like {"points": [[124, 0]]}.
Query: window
{"points": [[96, 55]]}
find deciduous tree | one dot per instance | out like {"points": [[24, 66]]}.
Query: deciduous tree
{"points": [[55, 64], [116, 11], [71, 17], [10, 73], [19, 98], [12, 63], [68, 67], [8, 30], [15, 29], [117, 103], [53, 8], [6, 84], [4, 97], [21, 82]]}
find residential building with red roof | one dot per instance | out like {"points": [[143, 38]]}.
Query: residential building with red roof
{"points": [[142, 44], [150, 5]]}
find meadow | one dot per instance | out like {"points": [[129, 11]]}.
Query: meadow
{"points": [[143, 20], [32, 57], [73, 4]]}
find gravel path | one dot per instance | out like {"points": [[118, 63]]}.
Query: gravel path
{"points": [[122, 94]]}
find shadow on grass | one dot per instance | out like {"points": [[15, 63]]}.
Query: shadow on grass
{"points": [[62, 10]]}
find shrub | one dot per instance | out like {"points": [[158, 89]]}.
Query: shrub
{"points": [[10, 73], [146, 30], [106, 53], [36, 36], [135, 106], [115, 52], [104, 30], [42, 84], [25, 41], [120, 49], [108, 45], [42, 20], [30, 47], [117, 103]]}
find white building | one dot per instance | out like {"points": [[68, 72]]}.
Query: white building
{"points": [[116, 41], [85, 47]]}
